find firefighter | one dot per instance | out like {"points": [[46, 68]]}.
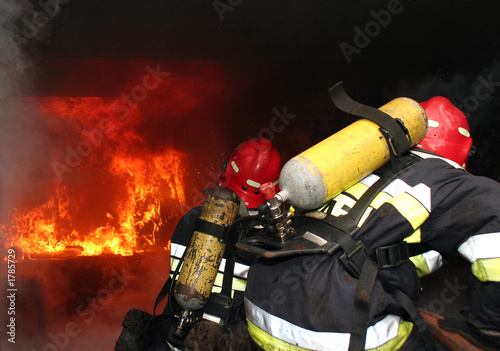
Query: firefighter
{"points": [[251, 164], [431, 209]]}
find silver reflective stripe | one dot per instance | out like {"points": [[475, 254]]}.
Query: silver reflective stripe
{"points": [[240, 270], [396, 187], [377, 335], [481, 246], [434, 260], [177, 250], [422, 193], [369, 180]]}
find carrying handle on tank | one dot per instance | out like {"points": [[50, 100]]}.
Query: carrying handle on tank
{"points": [[395, 132]]}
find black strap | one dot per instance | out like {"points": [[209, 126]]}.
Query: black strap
{"points": [[227, 281], [361, 312], [415, 249], [165, 290], [393, 130], [216, 230], [412, 311]]}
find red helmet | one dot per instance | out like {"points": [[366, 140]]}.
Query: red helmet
{"points": [[252, 163], [448, 134]]}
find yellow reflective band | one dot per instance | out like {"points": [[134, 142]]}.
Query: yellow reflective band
{"points": [[380, 199], [415, 237], [421, 265], [173, 263], [410, 208], [357, 190], [487, 269], [238, 283], [404, 331], [268, 342], [428, 262], [218, 289]]}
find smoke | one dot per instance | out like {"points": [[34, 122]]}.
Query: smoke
{"points": [[23, 136]]}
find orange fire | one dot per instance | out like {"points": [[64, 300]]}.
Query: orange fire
{"points": [[129, 218]]}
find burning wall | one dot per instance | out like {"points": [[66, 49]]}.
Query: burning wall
{"points": [[99, 178], [116, 166]]}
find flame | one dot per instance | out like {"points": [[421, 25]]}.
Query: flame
{"points": [[130, 223]]}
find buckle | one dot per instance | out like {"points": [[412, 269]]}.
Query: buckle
{"points": [[393, 255], [354, 260]]}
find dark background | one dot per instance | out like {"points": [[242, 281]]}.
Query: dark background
{"points": [[288, 53]]}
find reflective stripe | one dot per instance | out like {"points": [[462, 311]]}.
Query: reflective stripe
{"points": [[415, 237], [341, 201], [482, 251], [410, 208], [238, 284], [396, 187], [382, 332], [369, 180], [427, 263], [404, 332], [240, 270], [487, 270], [173, 264], [420, 265], [380, 199], [422, 193], [253, 183], [177, 250], [434, 260], [357, 190], [480, 247], [235, 166], [268, 342]]}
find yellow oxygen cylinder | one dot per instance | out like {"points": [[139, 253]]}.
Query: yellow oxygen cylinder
{"points": [[323, 171], [205, 250]]}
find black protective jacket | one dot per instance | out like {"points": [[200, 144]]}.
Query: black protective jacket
{"points": [[307, 301]]}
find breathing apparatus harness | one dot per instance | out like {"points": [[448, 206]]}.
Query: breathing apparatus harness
{"points": [[327, 234]]}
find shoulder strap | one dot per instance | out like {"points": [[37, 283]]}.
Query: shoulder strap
{"points": [[395, 132]]}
